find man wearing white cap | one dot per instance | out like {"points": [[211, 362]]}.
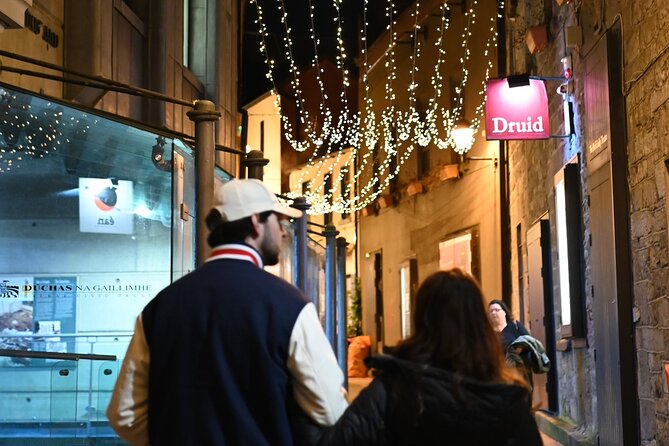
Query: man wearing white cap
{"points": [[220, 355]]}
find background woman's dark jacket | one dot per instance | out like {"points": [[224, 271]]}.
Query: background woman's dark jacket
{"points": [[412, 404], [511, 332]]}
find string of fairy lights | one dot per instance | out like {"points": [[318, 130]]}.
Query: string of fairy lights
{"points": [[378, 126]]}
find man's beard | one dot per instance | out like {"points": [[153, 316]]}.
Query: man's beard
{"points": [[269, 251]]}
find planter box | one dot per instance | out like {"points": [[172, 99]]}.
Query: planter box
{"points": [[415, 188]]}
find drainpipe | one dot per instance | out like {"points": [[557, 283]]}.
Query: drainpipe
{"points": [[204, 115], [505, 219], [244, 138]]}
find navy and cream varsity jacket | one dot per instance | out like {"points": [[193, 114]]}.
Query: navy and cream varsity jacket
{"points": [[218, 355]]}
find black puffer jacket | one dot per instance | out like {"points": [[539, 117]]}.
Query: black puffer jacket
{"points": [[411, 404]]}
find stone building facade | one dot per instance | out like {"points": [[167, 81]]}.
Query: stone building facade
{"points": [[610, 383]]}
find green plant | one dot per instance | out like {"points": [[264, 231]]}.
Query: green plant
{"points": [[354, 326]]}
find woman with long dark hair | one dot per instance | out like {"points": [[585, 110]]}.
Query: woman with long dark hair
{"points": [[446, 384]]}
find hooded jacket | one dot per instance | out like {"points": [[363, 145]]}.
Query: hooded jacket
{"points": [[414, 404]]}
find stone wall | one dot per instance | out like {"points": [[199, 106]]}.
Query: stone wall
{"points": [[645, 33], [532, 167], [646, 38]]}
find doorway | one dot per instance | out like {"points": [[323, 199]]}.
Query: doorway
{"points": [[378, 292], [541, 322]]}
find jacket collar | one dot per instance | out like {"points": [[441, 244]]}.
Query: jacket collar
{"points": [[236, 251]]}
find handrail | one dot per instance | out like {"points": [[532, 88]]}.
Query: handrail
{"points": [[100, 81], [54, 355], [68, 335]]}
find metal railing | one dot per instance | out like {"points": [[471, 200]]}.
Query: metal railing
{"points": [[59, 385]]}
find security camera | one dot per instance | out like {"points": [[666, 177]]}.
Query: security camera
{"points": [[158, 155], [563, 88]]}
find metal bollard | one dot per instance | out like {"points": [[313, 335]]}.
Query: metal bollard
{"points": [[330, 234], [342, 309]]}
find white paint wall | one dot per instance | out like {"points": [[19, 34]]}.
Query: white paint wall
{"points": [[264, 110]]}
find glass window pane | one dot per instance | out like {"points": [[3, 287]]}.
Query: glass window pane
{"points": [[85, 222], [85, 236]]}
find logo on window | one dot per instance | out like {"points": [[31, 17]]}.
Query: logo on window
{"points": [[106, 206], [11, 291], [105, 200]]}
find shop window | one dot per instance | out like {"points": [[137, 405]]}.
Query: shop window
{"points": [[569, 247], [423, 159], [408, 283], [460, 250], [86, 235]]}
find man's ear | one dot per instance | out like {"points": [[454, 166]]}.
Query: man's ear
{"points": [[257, 226]]}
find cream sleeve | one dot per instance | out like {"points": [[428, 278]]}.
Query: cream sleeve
{"points": [[317, 378], [128, 411]]}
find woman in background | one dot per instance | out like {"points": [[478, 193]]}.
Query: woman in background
{"points": [[446, 384], [500, 318], [509, 330]]}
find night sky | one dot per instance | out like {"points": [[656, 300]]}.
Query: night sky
{"points": [[253, 71]]}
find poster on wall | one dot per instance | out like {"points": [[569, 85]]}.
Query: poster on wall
{"points": [[16, 315], [120, 297], [54, 313], [106, 206]]}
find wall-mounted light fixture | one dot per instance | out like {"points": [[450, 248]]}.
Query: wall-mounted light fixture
{"points": [[462, 135], [518, 80]]}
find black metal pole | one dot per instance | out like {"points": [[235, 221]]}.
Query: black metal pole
{"points": [[99, 81], [300, 248]]}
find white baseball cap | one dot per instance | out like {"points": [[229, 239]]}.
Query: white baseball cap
{"points": [[239, 199]]}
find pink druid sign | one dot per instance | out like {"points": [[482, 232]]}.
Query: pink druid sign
{"points": [[518, 112]]}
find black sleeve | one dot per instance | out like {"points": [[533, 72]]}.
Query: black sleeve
{"points": [[363, 422], [524, 432]]}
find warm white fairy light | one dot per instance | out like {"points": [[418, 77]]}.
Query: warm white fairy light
{"points": [[396, 131], [343, 122]]}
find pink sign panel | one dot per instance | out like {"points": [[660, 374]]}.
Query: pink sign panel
{"points": [[518, 112]]}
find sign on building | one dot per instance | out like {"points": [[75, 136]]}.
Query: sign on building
{"points": [[519, 112]]}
